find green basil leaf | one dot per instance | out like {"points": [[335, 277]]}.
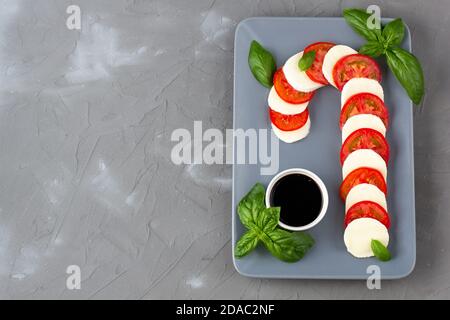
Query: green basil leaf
{"points": [[286, 246], [380, 251], [262, 64], [253, 212], [408, 71], [251, 205], [393, 33], [268, 218], [306, 60], [246, 244], [357, 19], [372, 48], [261, 223]]}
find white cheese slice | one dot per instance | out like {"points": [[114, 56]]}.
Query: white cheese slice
{"points": [[365, 192], [298, 79], [331, 57], [364, 158], [279, 105], [359, 234], [361, 85], [361, 121], [294, 135]]}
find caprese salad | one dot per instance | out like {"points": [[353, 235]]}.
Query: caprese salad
{"points": [[364, 117]]}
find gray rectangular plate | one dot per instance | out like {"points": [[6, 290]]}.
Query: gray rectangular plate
{"points": [[319, 152]]}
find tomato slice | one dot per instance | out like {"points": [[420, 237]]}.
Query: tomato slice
{"points": [[362, 175], [287, 92], [365, 139], [364, 103], [315, 71], [288, 122], [355, 66], [367, 209]]}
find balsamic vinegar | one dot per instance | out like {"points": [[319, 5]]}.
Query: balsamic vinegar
{"points": [[299, 197]]}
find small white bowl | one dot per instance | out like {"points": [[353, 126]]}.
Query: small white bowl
{"points": [[322, 188]]}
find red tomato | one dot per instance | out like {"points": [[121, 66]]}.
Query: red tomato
{"points": [[362, 175], [315, 71], [364, 103], [355, 66], [365, 139], [367, 209], [288, 122], [287, 92]]}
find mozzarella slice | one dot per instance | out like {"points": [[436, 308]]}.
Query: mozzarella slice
{"points": [[279, 105], [361, 85], [298, 79], [294, 135], [365, 192], [359, 234], [364, 158], [331, 57], [361, 121]]}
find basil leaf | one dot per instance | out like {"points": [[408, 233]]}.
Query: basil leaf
{"points": [[262, 64], [372, 48], [408, 71], [380, 251], [357, 19], [261, 223], [393, 33], [250, 206], [253, 212], [306, 60], [286, 246], [268, 218], [246, 244]]}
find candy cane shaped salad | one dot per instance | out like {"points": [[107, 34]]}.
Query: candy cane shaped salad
{"points": [[364, 121]]}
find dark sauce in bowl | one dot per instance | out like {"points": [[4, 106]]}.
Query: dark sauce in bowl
{"points": [[299, 197]]}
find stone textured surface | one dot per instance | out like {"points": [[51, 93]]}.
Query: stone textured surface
{"points": [[85, 171]]}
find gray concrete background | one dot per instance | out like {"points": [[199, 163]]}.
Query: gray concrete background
{"points": [[85, 171]]}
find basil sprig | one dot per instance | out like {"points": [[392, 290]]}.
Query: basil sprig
{"points": [[385, 42], [380, 251], [307, 60], [262, 226], [262, 64]]}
